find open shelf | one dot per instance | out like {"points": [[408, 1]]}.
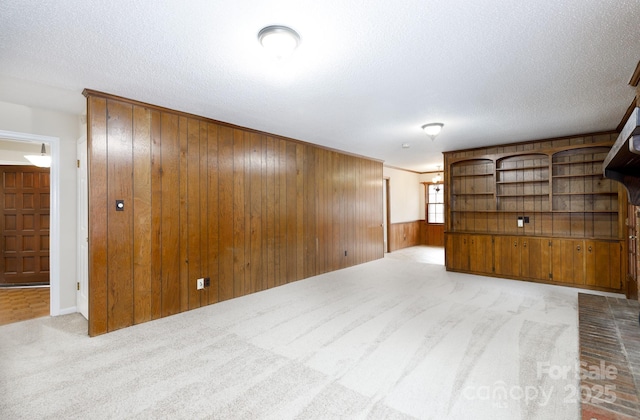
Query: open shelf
{"points": [[470, 175], [585, 193], [541, 181], [579, 176], [523, 168]]}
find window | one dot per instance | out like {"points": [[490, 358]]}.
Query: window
{"points": [[435, 203]]}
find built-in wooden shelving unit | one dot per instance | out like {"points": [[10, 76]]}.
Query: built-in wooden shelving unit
{"points": [[538, 211]]}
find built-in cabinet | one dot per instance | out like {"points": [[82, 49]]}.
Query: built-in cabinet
{"points": [[539, 211]]}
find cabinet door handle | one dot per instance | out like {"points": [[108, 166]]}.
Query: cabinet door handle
{"points": [[515, 243], [524, 244], [578, 248], [589, 248]]}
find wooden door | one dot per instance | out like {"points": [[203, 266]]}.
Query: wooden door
{"points": [[507, 256], [603, 264], [24, 223], [481, 253], [535, 258], [567, 264]]}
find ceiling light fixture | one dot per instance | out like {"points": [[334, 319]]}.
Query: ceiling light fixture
{"points": [[279, 40], [41, 160], [432, 129]]}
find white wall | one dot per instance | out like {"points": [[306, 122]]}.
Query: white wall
{"points": [[66, 127], [12, 152], [406, 195]]}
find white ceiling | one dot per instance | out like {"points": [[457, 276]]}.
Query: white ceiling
{"points": [[366, 76]]}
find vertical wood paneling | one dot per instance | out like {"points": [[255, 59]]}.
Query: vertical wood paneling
{"points": [[225, 214], [291, 222], [247, 213], [281, 219], [170, 233], [264, 248], [120, 233], [212, 212], [238, 213], [142, 240], [183, 238], [271, 203], [97, 166], [299, 212], [156, 214], [255, 213], [203, 199], [192, 184], [205, 241]]}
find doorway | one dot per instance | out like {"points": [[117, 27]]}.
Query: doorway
{"points": [[54, 217]]}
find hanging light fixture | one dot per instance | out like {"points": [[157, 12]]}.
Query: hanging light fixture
{"points": [[42, 160], [436, 179], [432, 129], [279, 40]]}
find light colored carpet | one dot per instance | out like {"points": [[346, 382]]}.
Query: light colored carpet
{"points": [[390, 339]]}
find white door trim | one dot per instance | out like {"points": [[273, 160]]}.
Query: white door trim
{"points": [[54, 217], [82, 264]]}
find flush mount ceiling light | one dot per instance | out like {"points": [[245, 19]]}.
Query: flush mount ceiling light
{"points": [[279, 40], [41, 160], [432, 129]]}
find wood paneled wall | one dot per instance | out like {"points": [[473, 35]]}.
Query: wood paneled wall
{"points": [[433, 235], [405, 234], [202, 198]]}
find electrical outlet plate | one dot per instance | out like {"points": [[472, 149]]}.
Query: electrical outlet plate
{"points": [[200, 284]]}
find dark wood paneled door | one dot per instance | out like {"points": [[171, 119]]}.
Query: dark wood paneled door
{"points": [[24, 225]]}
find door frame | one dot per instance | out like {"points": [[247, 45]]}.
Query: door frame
{"points": [[387, 213], [54, 216], [82, 235]]}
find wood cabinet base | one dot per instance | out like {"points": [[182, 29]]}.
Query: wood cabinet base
{"points": [[586, 263]]}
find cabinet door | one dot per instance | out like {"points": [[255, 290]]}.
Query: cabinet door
{"points": [[457, 252], [603, 264], [507, 255], [535, 257], [481, 253], [568, 261]]}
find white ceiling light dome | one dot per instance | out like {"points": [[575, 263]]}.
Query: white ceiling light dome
{"points": [[279, 40], [432, 129]]}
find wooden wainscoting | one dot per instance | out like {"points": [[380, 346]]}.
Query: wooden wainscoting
{"points": [[201, 198], [418, 232], [432, 235], [405, 234]]}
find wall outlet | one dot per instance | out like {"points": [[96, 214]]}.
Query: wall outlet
{"points": [[520, 222], [200, 284]]}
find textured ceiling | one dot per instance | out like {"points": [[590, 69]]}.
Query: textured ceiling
{"points": [[366, 76]]}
